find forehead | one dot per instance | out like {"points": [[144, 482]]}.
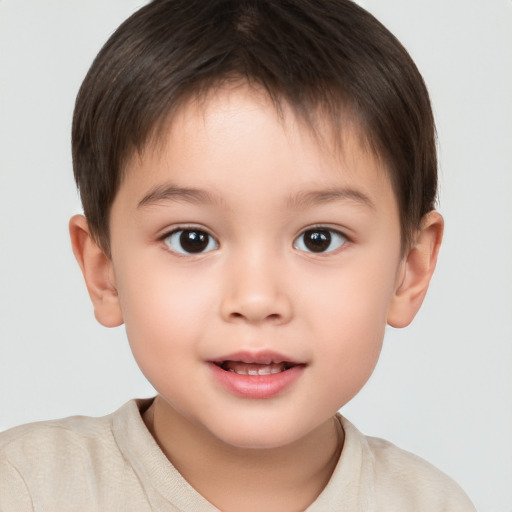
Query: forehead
{"points": [[237, 136]]}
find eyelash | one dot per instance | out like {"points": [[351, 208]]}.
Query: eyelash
{"points": [[203, 238], [326, 235], [322, 239]]}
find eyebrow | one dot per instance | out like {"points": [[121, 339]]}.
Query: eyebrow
{"points": [[303, 199], [171, 192]]}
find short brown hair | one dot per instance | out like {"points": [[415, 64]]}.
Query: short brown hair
{"points": [[322, 54]]}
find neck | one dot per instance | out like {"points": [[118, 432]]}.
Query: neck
{"points": [[288, 478]]}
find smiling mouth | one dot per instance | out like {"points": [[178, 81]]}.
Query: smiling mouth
{"points": [[256, 375], [242, 368]]}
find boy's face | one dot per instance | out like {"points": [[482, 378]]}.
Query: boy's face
{"points": [[240, 247]]}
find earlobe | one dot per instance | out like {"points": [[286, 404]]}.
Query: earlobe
{"points": [[416, 271], [98, 273]]}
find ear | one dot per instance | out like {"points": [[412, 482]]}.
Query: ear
{"points": [[98, 273], [416, 271]]}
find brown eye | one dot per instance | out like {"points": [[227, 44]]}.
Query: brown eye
{"points": [[190, 241], [320, 240]]}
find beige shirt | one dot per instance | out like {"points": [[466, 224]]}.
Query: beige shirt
{"points": [[113, 464]]}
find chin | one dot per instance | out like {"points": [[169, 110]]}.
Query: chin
{"points": [[257, 441], [251, 434]]}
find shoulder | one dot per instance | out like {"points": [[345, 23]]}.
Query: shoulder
{"points": [[48, 440], [404, 481], [60, 459], [39, 459]]}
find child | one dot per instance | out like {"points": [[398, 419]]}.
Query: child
{"points": [[258, 181]]}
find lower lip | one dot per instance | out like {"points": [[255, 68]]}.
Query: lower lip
{"points": [[256, 386]]}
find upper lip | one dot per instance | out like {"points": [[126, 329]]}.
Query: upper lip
{"points": [[256, 357]]}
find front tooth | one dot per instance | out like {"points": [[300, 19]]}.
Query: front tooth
{"points": [[269, 369]]}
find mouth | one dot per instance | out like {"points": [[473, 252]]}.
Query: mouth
{"points": [[261, 375], [245, 368]]}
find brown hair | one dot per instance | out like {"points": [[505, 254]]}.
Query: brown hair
{"points": [[328, 55]]}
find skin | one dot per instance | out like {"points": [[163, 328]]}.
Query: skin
{"points": [[263, 181]]}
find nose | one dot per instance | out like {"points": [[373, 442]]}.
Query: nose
{"points": [[256, 292]]}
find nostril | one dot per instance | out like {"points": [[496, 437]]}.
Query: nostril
{"points": [[256, 308], [272, 317]]}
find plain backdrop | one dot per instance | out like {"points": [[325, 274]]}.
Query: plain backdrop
{"points": [[443, 387]]}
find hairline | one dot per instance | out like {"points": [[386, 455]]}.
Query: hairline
{"points": [[326, 129]]}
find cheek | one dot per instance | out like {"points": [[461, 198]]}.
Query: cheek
{"points": [[165, 312], [356, 300], [351, 350], [351, 317], [167, 324]]}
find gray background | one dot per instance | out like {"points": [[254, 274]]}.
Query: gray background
{"points": [[443, 386]]}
